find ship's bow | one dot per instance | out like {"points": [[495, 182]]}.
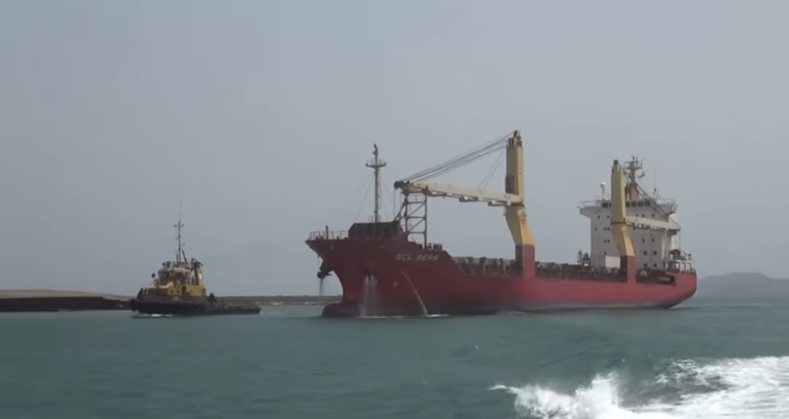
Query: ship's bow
{"points": [[360, 260]]}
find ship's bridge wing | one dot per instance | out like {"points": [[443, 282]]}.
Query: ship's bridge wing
{"points": [[461, 193], [647, 223]]}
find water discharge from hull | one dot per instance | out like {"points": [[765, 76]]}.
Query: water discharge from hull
{"points": [[416, 293], [370, 306], [373, 304]]}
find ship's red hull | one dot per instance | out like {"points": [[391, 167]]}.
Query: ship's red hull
{"points": [[411, 280]]}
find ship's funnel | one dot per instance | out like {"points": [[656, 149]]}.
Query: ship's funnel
{"points": [[619, 230]]}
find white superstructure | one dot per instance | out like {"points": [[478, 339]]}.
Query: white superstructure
{"points": [[653, 226]]}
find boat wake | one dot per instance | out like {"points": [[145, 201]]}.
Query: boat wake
{"points": [[428, 316], [150, 316], [756, 388]]}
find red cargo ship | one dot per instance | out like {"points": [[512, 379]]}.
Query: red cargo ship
{"points": [[635, 261]]}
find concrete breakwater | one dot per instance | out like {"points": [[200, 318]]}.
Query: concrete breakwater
{"points": [[44, 300]]}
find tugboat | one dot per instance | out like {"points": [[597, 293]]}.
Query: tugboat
{"points": [[178, 290]]}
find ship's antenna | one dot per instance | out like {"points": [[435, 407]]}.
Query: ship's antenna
{"points": [[654, 181], [633, 172], [376, 164], [178, 227]]}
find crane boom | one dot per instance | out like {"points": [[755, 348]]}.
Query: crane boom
{"points": [[512, 198], [619, 218], [461, 193], [419, 182]]}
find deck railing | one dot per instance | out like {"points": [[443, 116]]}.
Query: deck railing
{"points": [[328, 235], [672, 203], [340, 235]]}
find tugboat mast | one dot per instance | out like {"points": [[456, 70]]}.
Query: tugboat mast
{"points": [[376, 164], [180, 243]]}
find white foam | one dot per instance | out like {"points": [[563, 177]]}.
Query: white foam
{"points": [[150, 316], [756, 388], [429, 316]]}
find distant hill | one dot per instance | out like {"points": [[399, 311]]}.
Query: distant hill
{"points": [[742, 285]]}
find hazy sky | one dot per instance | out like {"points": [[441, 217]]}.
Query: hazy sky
{"points": [[260, 115]]}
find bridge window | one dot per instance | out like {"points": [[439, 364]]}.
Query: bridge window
{"points": [[645, 252], [654, 252]]}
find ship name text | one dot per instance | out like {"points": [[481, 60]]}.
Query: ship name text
{"points": [[407, 257]]}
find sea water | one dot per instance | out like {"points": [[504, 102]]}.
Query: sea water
{"points": [[703, 360]]}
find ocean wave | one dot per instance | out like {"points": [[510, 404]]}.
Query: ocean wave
{"points": [[755, 388]]}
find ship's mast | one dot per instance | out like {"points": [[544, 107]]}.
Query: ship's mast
{"points": [[178, 228], [376, 164], [633, 171]]}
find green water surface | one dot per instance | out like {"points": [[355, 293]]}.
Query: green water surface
{"points": [[288, 363]]}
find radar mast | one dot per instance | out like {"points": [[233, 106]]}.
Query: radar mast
{"points": [[633, 170], [180, 255]]}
